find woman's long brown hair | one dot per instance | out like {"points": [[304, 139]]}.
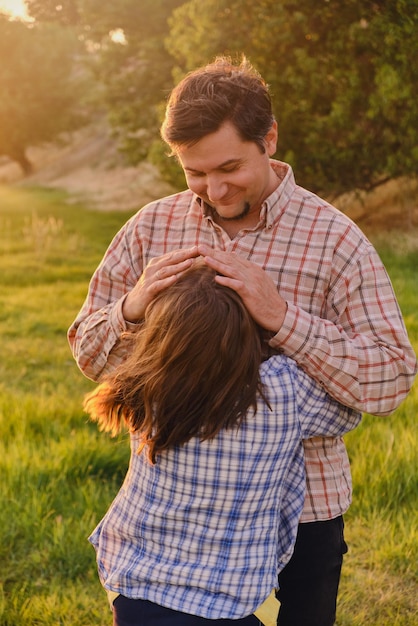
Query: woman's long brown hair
{"points": [[193, 368]]}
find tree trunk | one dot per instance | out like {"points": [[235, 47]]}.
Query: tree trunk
{"points": [[24, 162]]}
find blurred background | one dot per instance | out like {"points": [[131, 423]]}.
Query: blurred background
{"points": [[95, 74], [83, 85]]}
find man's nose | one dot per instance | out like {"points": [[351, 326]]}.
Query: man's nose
{"points": [[216, 188]]}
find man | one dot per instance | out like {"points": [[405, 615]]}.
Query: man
{"points": [[305, 272]]}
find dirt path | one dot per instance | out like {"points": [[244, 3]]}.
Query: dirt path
{"points": [[90, 168]]}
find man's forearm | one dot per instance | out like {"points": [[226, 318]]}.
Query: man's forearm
{"points": [[370, 375]]}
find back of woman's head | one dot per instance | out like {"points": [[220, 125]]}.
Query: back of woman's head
{"points": [[193, 369]]}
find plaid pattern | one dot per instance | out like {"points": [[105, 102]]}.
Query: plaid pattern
{"points": [[343, 324], [197, 532]]}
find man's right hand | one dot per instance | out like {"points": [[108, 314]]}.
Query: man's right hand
{"points": [[159, 274]]}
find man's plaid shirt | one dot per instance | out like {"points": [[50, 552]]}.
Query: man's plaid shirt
{"points": [[208, 528], [343, 324]]}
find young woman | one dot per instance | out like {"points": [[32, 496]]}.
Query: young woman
{"points": [[208, 512]]}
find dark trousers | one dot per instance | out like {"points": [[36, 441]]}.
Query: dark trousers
{"points": [[308, 586], [128, 612], [309, 582]]}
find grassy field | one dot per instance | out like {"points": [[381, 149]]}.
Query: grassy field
{"points": [[58, 474]]}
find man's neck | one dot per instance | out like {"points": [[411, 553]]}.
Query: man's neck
{"points": [[233, 227]]}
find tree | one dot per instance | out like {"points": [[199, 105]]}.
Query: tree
{"points": [[135, 73], [343, 78], [343, 74], [38, 86]]}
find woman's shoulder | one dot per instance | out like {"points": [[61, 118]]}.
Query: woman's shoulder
{"points": [[277, 363]]}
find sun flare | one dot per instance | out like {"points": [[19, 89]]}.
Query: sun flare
{"points": [[14, 8]]}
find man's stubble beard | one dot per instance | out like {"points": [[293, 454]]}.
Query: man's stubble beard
{"points": [[233, 218]]}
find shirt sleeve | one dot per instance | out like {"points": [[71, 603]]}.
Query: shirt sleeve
{"points": [[361, 353], [321, 415], [94, 336]]}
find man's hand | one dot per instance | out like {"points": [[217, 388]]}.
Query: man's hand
{"points": [[159, 274], [252, 283]]}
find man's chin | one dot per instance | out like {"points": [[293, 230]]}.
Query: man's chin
{"points": [[232, 214]]}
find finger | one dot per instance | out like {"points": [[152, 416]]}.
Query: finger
{"points": [[216, 255], [205, 250], [178, 256], [230, 267], [226, 258], [233, 283], [169, 270], [161, 283], [173, 257]]}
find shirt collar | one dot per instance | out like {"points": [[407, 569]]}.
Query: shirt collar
{"points": [[274, 205]]}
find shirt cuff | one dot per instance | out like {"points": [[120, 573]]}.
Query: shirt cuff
{"points": [[293, 336], [118, 323]]}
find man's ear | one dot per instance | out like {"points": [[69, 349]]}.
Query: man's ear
{"points": [[270, 139]]}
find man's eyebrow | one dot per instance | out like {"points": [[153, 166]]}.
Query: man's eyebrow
{"points": [[221, 166]]}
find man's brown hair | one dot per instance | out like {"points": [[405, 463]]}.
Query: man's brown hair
{"points": [[212, 95]]}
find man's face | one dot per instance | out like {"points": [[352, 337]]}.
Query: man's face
{"points": [[231, 175]]}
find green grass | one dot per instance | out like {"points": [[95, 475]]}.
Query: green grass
{"points": [[58, 474], [380, 577]]}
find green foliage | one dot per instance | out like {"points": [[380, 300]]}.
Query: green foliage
{"points": [[65, 13], [59, 474], [136, 74], [39, 85], [342, 75], [132, 93], [170, 168]]}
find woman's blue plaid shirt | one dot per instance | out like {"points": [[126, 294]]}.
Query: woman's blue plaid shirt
{"points": [[207, 529]]}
